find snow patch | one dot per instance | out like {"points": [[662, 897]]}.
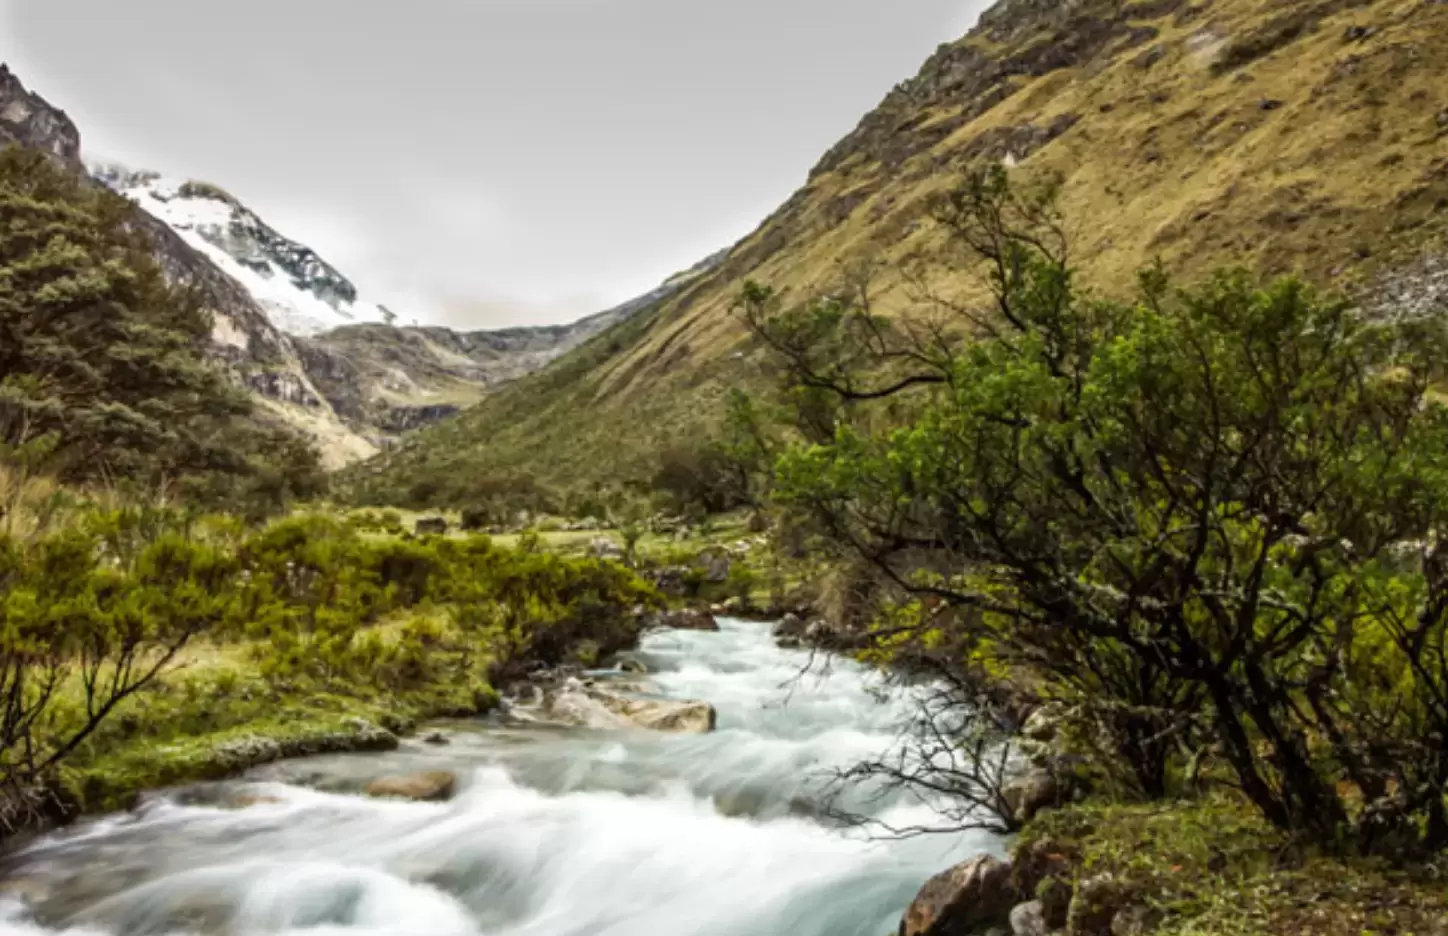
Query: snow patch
{"points": [[300, 293]]}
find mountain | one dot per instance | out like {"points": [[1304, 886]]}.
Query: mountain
{"points": [[290, 326], [301, 293], [1307, 137]]}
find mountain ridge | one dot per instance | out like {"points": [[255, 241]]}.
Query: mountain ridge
{"points": [[1307, 138]]}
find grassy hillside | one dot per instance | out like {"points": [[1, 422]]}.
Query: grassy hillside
{"points": [[1303, 137]]}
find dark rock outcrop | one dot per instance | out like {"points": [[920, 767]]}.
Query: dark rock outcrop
{"points": [[969, 897]]}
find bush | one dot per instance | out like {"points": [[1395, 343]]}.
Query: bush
{"points": [[1212, 518], [95, 607], [702, 479]]}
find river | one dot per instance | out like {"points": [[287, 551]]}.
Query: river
{"points": [[553, 831]]}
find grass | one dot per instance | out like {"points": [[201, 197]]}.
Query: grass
{"points": [[1212, 866], [214, 714]]}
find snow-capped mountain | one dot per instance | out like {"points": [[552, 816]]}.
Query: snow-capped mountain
{"points": [[301, 293]]}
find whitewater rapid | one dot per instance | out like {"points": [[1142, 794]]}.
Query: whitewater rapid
{"points": [[553, 831]]}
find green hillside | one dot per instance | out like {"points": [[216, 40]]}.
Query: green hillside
{"points": [[1283, 137]]}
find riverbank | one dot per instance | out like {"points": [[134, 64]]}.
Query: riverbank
{"points": [[169, 649]]}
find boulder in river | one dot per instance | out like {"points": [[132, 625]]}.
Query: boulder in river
{"points": [[668, 715], [690, 619], [589, 706], [429, 786], [969, 897]]}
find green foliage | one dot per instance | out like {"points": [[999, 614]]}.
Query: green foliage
{"points": [[1211, 866], [96, 608], [102, 357], [90, 614], [1211, 517], [701, 480]]}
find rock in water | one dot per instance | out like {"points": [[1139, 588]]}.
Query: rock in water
{"points": [[791, 625], [429, 786], [691, 619], [679, 717], [592, 707], [970, 896]]}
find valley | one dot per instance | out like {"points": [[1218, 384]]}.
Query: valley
{"points": [[1034, 527]]}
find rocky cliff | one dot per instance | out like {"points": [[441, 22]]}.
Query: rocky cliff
{"points": [[1309, 137]]}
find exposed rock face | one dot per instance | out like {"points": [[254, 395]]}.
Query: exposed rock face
{"points": [[969, 897], [28, 120], [430, 786]]}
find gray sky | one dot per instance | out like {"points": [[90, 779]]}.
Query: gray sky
{"points": [[481, 162]]}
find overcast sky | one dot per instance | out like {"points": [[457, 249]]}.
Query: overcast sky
{"points": [[481, 162]]}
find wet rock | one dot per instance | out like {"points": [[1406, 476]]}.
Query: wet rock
{"points": [[431, 526], [1029, 794], [248, 801], [690, 619], [666, 715], [632, 666], [969, 897], [589, 706], [1095, 905], [1029, 919], [791, 626], [436, 738], [429, 786]]}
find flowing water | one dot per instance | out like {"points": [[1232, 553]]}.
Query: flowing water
{"points": [[553, 831]]}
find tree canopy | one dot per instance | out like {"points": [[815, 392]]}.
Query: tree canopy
{"points": [[101, 358]]}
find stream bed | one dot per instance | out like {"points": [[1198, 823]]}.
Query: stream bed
{"points": [[553, 831]]}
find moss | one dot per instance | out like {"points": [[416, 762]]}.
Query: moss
{"points": [[1211, 866]]}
